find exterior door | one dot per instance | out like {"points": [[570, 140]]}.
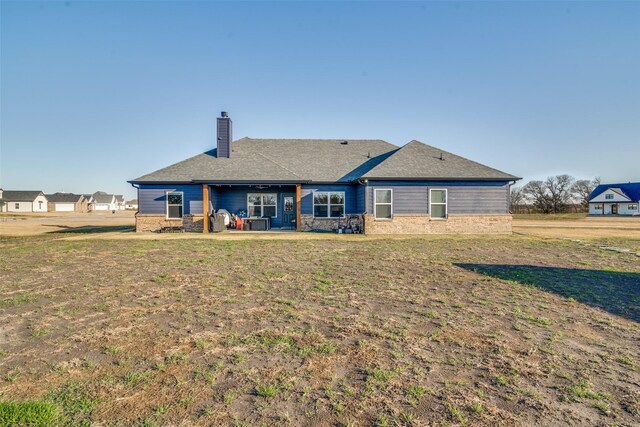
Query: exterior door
{"points": [[288, 211], [614, 209]]}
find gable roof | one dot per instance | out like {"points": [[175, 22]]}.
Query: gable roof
{"points": [[63, 197], [629, 189], [277, 160], [417, 160], [321, 160], [20, 196], [102, 197]]}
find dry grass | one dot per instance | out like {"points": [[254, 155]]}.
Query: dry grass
{"points": [[403, 331], [31, 224]]}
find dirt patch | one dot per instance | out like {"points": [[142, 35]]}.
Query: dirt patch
{"points": [[31, 224], [324, 331]]}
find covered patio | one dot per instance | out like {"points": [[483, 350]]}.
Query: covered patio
{"points": [[253, 207]]}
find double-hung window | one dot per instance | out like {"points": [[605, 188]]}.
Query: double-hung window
{"points": [[633, 207], [438, 203], [383, 201], [328, 204], [264, 205], [174, 204]]}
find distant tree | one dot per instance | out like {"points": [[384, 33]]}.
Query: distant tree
{"points": [[581, 189], [516, 198], [535, 193], [559, 190]]}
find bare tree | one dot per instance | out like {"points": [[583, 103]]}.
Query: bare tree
{"points": [[516, 198], [582, 188], [559, 190], [536, 193]]}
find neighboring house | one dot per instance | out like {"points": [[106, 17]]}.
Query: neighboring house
{"points": [[89, 199], [615, 199], [67, 202], [131, 204], [120, 205], [101, 201], [23, 201], [311, 184]]}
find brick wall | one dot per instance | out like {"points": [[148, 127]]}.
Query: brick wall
{"points": [[454, 224]]}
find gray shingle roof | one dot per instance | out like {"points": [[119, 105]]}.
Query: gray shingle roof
{"points": [[102, 197], [20, 196], [320, 160], [277, 160], [417, 160], [63, 197]]}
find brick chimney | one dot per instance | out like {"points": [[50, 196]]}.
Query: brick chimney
{"points": [[224, 135]]}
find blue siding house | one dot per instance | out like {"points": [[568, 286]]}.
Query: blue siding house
{"points": [[308, 184]]}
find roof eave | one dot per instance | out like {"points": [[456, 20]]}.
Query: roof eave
{"points": [[218, 181], [372, 178]]}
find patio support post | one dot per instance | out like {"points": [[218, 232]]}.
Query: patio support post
{"points": [[298, 197], [205, 208]]}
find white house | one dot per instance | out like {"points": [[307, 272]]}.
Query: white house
{"points": [[131, 204], [615, 199], [120, 204], [22, 201], [102, 201]]}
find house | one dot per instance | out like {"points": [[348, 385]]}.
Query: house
{"points": [[615, 199], [101, 201], [89, 199], [309, 184], [23, 201], [131, 204], [120, 205], [66, 202]]}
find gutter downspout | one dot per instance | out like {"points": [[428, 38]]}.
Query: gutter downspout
{"points": [[137, 195]]}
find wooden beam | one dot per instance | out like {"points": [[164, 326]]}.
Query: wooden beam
{"points": [[298, 197], [205, 208]]}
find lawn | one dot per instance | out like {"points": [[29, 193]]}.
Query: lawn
{"points": [[342, 330]]}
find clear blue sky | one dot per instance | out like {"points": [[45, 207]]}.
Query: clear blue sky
{"points": [[94, 94]]}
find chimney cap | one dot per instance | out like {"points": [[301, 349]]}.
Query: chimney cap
{"points": [[224, 114]]}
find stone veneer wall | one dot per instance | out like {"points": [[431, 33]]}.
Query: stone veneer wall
{"points": [[309, 223], [156, 222], [454, 224]]}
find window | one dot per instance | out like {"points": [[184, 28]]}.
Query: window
{"points": [[633, 207], [262, 205], [40, 205], [598, 207], [383, 205], [288, 204], [608, 196], [17, 205], [174, 205], [328, 204], [438, 203]]}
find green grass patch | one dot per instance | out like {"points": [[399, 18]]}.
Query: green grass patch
{"points": [[34, 413]]}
